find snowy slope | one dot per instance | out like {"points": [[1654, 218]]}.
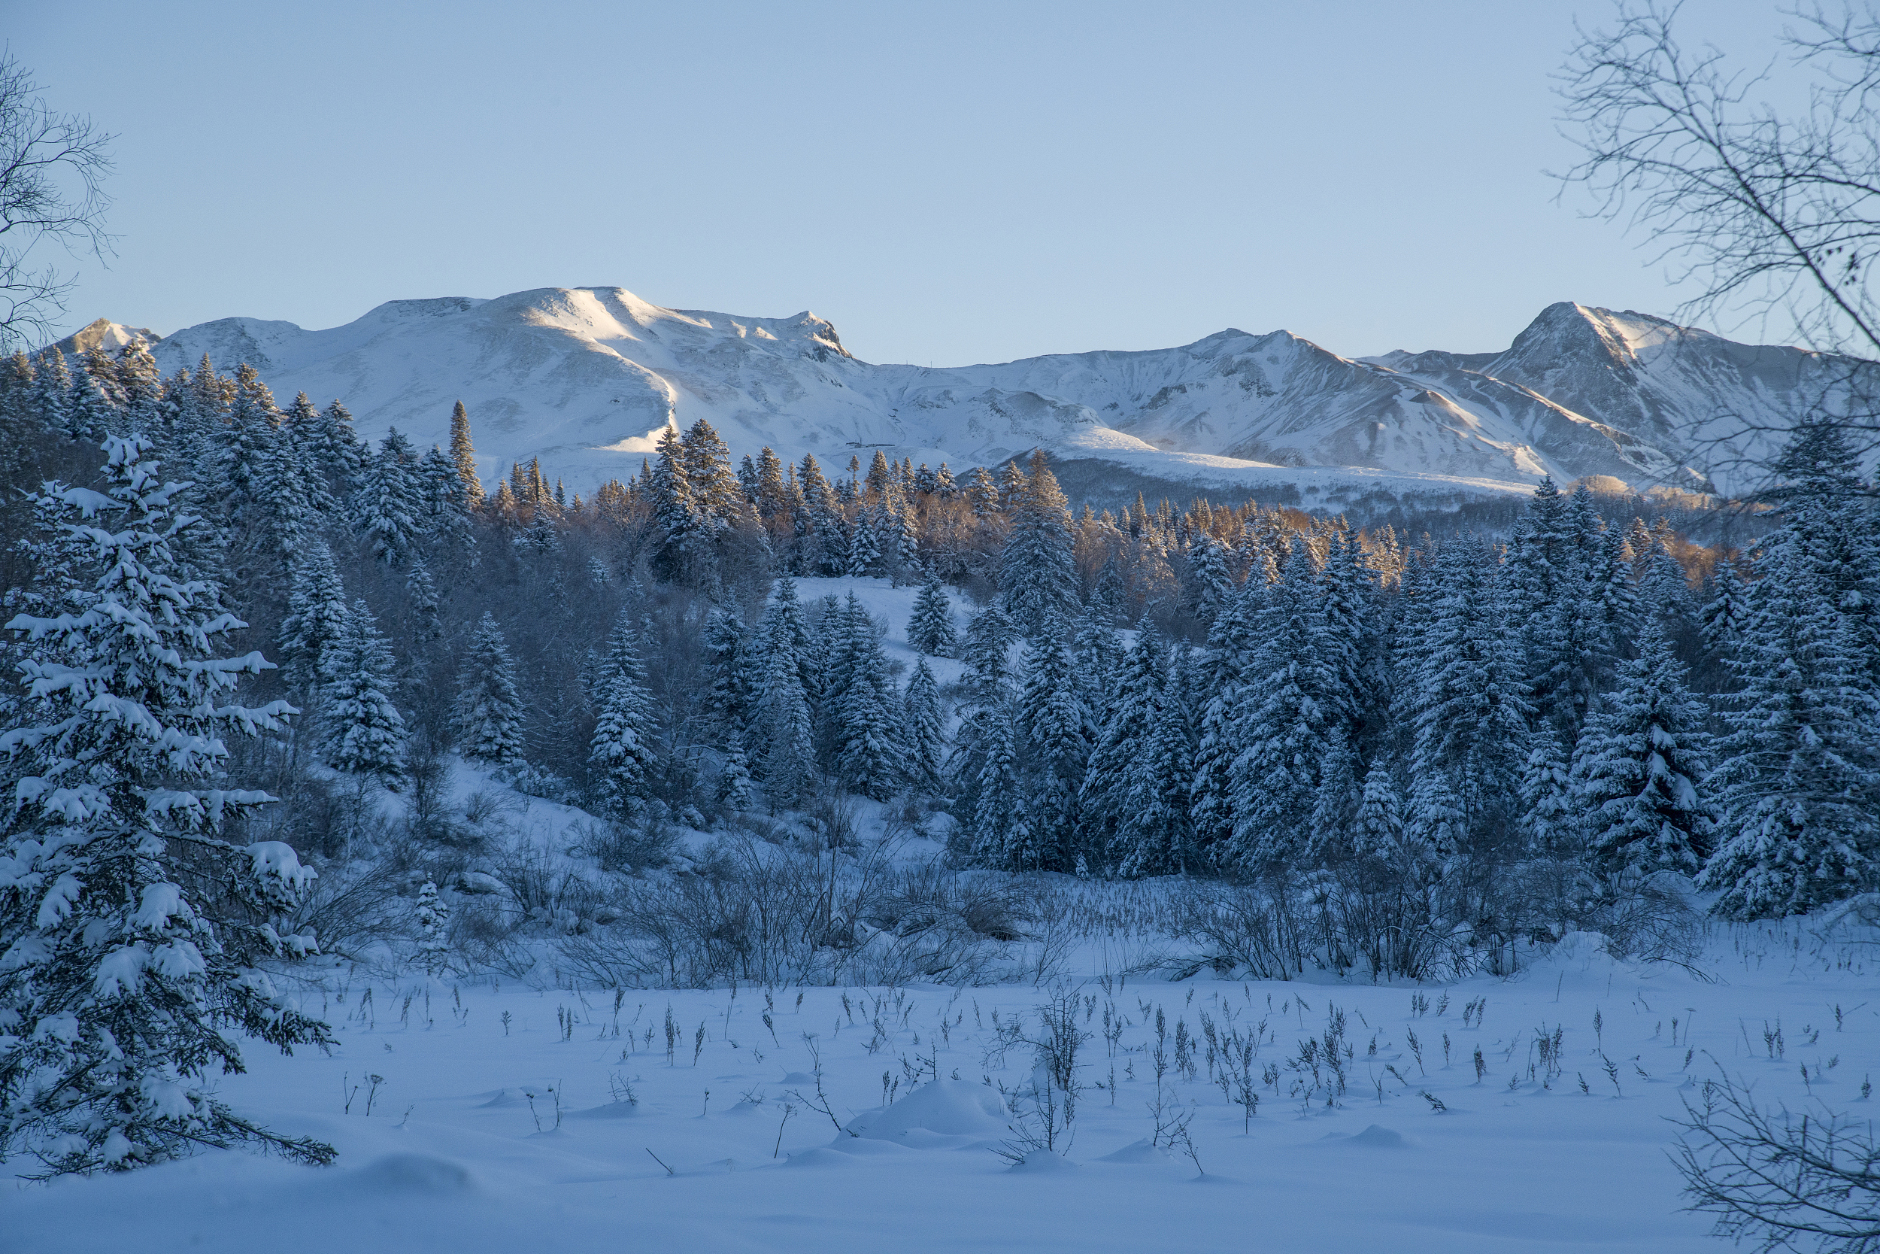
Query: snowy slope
{"points": [[585, 378]]}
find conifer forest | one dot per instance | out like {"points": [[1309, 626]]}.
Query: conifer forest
{"points": [[557, 769]]}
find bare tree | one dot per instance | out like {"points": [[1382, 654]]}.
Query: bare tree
{"points": [[1763, 210], [52, 169], [1780, 1181]]}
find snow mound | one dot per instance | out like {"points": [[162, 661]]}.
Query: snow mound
{"points": [[612, 1110], [412, 1173], [1143, 1151], [947, 1107], [1379, 1137], [1043, 1162]]}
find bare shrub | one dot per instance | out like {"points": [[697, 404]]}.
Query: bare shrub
{"points": [[1780, 1181]]}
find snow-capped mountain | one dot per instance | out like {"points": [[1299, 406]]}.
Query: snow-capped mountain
{"points": [[585, 379]]}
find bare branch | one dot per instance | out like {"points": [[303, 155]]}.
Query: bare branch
{"points": [[52, 171]]}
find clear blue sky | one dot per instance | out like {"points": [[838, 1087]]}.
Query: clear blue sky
{"points": [[949, 182]]}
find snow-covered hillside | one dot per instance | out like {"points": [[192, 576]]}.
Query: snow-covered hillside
{"points": [[585, 378]]}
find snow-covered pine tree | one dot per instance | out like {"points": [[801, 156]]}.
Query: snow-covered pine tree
{"points": [[1210, 585], [926, 729], [782, 700], [1799, 801], [463, 457], [733, 790], [387, 507], [1055, 737], [930, 629], [1726, 609], [1640, 769], [867, 723], [1038, 571], [730, 697], [864, 543], [1289, 718], [1223, 670], [445, 516], [621, 758], [1377, 830], [489, 712], [1157, 833], [1130, 715], [340, 454], [421, 597], [365, 734], [682, 537], [984, 706], [123, 978], [316, 615], [1463, 704], [999, 833], [432, 917]]}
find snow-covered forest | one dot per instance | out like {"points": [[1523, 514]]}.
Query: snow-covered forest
{"points": [[289, 717]]}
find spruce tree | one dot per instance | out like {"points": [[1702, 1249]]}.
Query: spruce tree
{"points": [[1640, 770], [432, 917], [1156, 832], [316, 615], [1131, 712], [1289, 718], [129, 979], [926, 729], [463, 457], [730, 698], [387, 507], [1037, 570], [1377, 831], [1463, 704], [489, 712], [621, 759], [930, 629], [1799, 800], [365, 734], [1055, 737], [869, 748]]}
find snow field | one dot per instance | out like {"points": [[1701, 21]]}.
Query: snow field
{"points": [[499, 1117]]}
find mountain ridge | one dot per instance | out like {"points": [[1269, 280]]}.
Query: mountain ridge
{"points": [[586, 378]]}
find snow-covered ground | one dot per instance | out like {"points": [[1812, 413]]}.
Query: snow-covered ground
{"points": [[442, 1146]]}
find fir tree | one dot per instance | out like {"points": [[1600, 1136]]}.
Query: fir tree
{"points": [[489, 709], [730, 697], [432, 918], [926, 723], [421, 596], [1640, 769], [463, 457], [1156, 832], [868, 726], [1037, 571], [1800, 776], [1289, 719], [123, 981], [1056, 735], [620, 753], [387, 507], [1463, 705], [1131, 713], [316, 614], [1377, 830], [365, 734], [930, 630]]}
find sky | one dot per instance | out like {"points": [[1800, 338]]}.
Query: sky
{"points": [[948, 183]]}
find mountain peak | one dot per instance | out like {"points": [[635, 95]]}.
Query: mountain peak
{"points": [[106, 334]]}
